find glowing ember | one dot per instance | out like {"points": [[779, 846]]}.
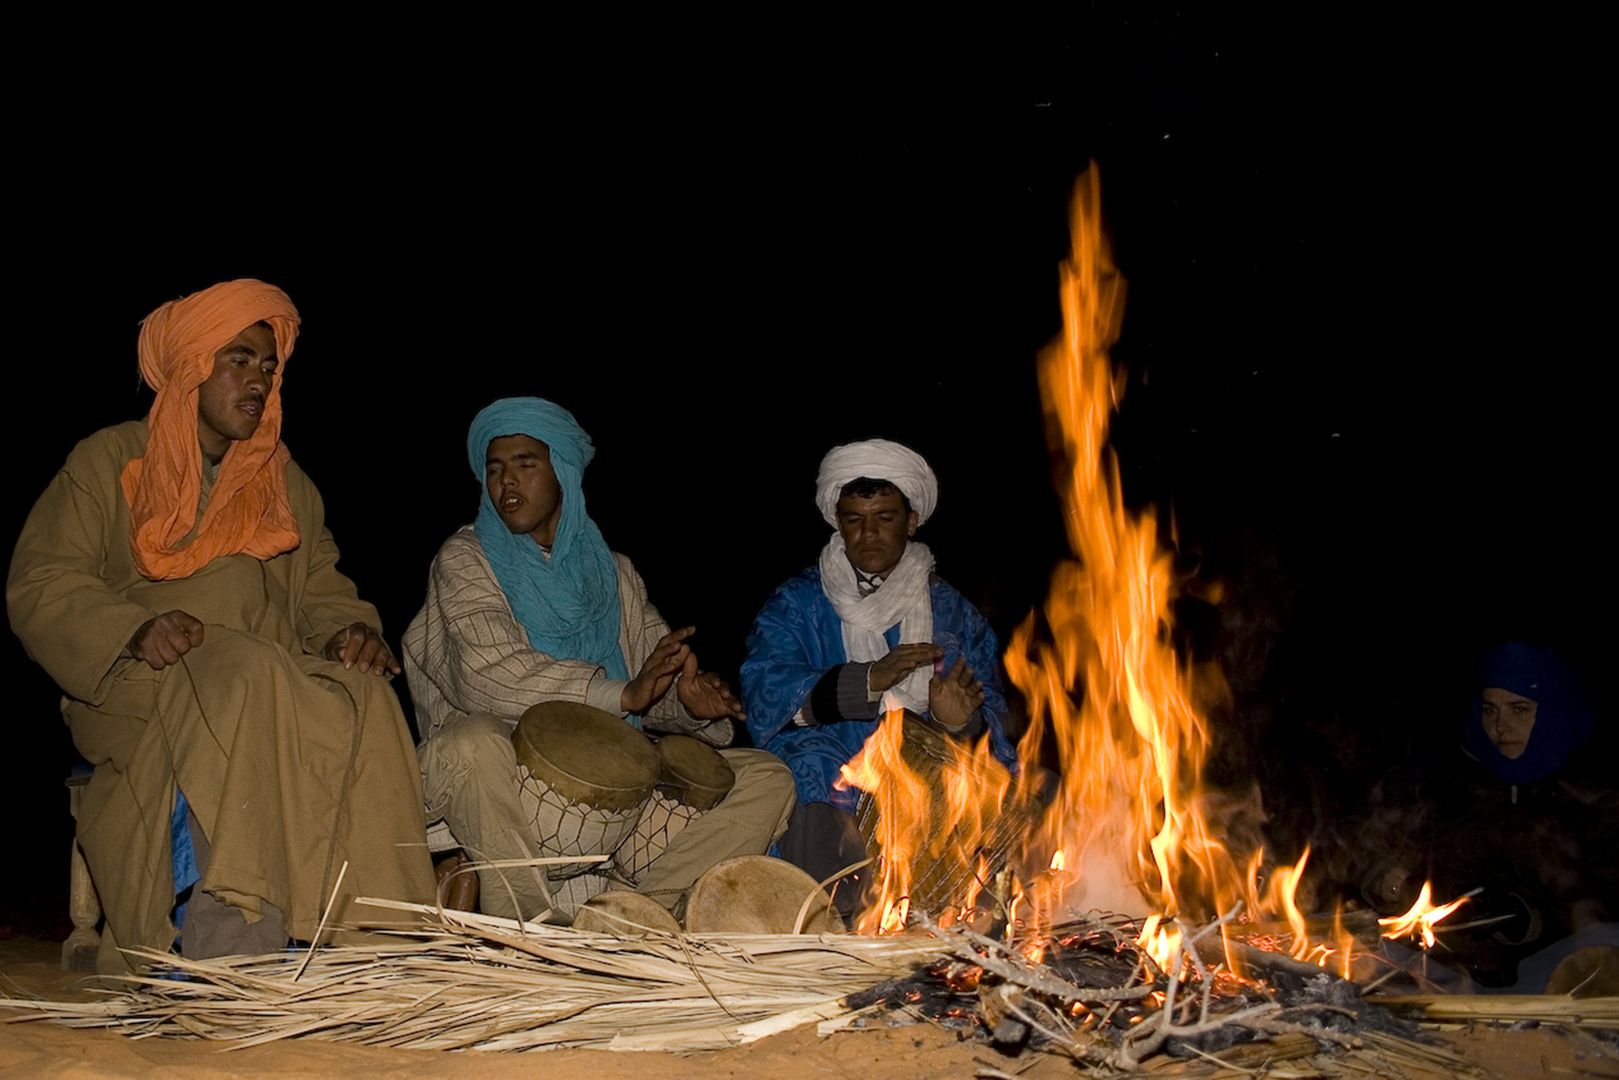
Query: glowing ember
{"points": [[1422, 917]]}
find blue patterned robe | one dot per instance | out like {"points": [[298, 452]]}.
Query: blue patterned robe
{"points": [[798, 637]]}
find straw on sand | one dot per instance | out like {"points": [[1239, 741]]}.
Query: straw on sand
{"points": [[474, 981], [1600, 1013]]}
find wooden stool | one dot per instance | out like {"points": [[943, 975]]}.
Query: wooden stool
{"points": [[83, 906]]}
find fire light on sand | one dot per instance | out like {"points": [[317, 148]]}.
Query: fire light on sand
{"points": [[1102, 681]]}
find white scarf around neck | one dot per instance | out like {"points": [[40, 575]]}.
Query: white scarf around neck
{"points": [[903, 599]]}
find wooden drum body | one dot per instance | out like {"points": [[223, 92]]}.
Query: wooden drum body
{"points": [[584, 777], [947, 872], [692, 778]]}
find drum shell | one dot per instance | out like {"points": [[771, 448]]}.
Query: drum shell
{"points": [[755, 894], [584, 777], [662, 819], [951, 870], [692, 772]]}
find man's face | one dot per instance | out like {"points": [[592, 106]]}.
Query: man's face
{"points": [[523, 487], [1508, 720], [230, 403], [875, 530]]}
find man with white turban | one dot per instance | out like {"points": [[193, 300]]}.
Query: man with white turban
{"points": [[868, 629]]}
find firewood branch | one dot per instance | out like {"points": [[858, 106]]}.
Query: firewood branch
{"points": [[1038, 978]]}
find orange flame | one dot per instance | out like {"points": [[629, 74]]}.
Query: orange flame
{"points": [[1159, 942], [1282, 894], [1131, 742], [915, 828], [1421, 919], [1128, 824]]}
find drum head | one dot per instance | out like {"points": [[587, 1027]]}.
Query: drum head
{"points": [[755, 894], [624, 914], [586, 755], [693, 772]]}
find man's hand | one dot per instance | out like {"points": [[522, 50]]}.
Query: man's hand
{"points": [[163, 640], [357, 643], [953, 698], [705, 695], [658, 673], [900, 662]]}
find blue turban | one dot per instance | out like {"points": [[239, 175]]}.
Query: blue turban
{"points": [[1562, 719], [568, 603]]}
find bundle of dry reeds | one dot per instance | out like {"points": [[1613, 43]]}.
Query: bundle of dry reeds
{"points": [[1601, 1013], [466, 981], [473, 981]]}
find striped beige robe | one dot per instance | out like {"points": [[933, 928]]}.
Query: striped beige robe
{"points": [[473, 673], [465, 652]]}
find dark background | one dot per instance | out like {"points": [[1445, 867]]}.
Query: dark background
{"points": [[1366, 264]]}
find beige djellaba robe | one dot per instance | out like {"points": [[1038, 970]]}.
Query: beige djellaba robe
{"points": [[292, 765]]}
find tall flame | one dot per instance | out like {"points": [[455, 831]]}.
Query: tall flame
{"points": [[1106, 686], [1130, 743]]}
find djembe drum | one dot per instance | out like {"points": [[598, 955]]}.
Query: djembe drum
{"points": [[755, 894], [950, 870], [692, 777], [584, 777]]}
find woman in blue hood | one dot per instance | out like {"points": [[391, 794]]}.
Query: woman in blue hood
{"points": [[1517, 812]]}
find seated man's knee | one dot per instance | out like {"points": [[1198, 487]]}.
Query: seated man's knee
{"points": [[480, 744], [759, 766]]}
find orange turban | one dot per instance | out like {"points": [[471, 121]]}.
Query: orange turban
{"points": [[248, 509]]}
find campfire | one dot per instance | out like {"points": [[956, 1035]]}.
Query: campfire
{"points": [[1108, 889], [1120, 822], [1098, 900]]}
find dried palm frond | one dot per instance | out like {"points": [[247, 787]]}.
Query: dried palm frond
{"points": [[1602, 1012], [465, 980]]}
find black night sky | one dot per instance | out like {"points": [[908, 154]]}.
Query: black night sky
{"points": [[1361, 336]]}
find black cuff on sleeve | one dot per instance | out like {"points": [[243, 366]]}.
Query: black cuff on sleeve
{"points": [[841, 695]]}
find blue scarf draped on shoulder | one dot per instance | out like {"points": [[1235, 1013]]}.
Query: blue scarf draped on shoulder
{"points": [[1562, 719], [568, 603]]}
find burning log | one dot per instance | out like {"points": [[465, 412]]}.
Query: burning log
{"points": [[1091, 991]]}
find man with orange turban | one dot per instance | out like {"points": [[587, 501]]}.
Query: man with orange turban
{"points": [[224, 679]]}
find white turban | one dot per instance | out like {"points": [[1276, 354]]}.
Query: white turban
{"points": [[876, 459], [903, 597]]}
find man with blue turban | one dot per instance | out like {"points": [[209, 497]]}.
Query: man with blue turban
{"points": [[528, 605], [867, 630]]}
